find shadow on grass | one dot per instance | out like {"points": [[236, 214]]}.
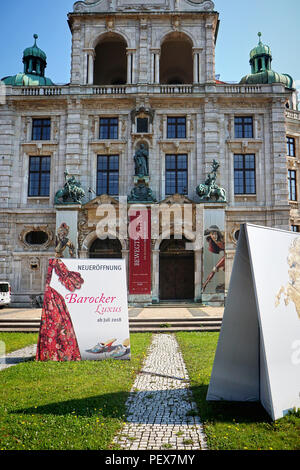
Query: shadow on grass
{"points": [[224, 411], [111, 405]]}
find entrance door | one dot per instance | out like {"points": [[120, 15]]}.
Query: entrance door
{"points": [[176, 271], [108, 248]]}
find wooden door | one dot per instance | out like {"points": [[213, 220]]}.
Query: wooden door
{"points": [[176, 279]]}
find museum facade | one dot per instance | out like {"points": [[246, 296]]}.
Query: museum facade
{"points": [[144, 135]]}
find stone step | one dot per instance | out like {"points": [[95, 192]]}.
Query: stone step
{"points": [[13, 329], [173, 329], [149, 329], [135, 324], [175, 320], [173, 305]]}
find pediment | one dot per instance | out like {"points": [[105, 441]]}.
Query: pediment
{"points": [[177, 199], [99, 200]]}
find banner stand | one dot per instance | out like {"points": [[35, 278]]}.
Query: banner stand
{"points": [[257, 357]]}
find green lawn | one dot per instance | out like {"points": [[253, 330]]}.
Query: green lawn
{"points": [[81, 405], [14, 341], [231, 425], [69, 405]]}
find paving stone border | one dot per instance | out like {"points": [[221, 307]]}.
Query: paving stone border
{"points": [[161, 413]]}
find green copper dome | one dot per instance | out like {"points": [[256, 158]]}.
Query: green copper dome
{"points": [[34, 51], [268, 76], [23, 79], [260, 49], [35, 63], [261, 71]]}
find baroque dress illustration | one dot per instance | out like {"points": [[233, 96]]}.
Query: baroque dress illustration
{"points": [[57, 339]]}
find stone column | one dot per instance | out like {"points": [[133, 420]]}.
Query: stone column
{"points": [[144, 51], [129, 66], [197, 64], [91, 58], [152, 65], [157, 63], [76, 55], [155, 59], [210, 53]]}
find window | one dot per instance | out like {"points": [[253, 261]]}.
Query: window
{"points": [[176, 174], [290, 143], [295, 228], [176, 128], [292, 180], [41, 129], [244, 174], [243, 127], [39, 176], [36, 237], [109, 128], [108, 174], [142, 125]]}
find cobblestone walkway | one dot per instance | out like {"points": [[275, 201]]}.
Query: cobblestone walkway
{"points": [[160, 411], [14, 358]]}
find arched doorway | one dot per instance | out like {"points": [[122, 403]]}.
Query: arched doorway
{"points": [[108, 248], [110, 67], [176, 60], [176, 270]]}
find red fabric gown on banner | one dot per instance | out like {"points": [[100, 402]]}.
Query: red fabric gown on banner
{"points": [[57, 339]]}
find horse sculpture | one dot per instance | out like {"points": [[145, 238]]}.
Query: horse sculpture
{"points": [[71, 192], [206, 193], [210, 190]]}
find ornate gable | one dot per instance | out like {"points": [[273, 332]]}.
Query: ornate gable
{"points": [[103, 6], [177, 199], [97, 201]]}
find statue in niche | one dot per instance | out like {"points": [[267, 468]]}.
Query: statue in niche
{"points": [[141, 161]]}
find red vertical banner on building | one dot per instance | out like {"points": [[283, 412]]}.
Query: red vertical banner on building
{"points": [[140, 251]]}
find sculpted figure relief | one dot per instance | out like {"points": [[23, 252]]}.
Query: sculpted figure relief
{"points": [[141, 161]]}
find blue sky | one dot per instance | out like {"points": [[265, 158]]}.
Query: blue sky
{"points": [[240, 22]]}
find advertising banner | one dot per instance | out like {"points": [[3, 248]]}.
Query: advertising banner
{"points": [[258, 353], [85, 312], [214, 255], [140, 252]]}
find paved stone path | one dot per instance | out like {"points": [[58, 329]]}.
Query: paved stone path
{"points": [[161, 412], [14, 358]]}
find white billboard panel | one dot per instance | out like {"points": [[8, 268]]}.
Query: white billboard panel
{"points": [[258, 354], [85, 313]]}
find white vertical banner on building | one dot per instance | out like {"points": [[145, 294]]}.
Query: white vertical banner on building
{"points": [[258, 353]]}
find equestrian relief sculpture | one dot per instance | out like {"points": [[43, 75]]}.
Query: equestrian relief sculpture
{"points": [[210, 191], [72, 192]]}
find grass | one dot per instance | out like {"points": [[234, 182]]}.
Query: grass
{"points": [[81, 405], [14, 341], [232, 426], [68, 405]]}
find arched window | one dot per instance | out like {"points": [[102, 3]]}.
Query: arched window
{"points": [[110, 67], [176, 60]]}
